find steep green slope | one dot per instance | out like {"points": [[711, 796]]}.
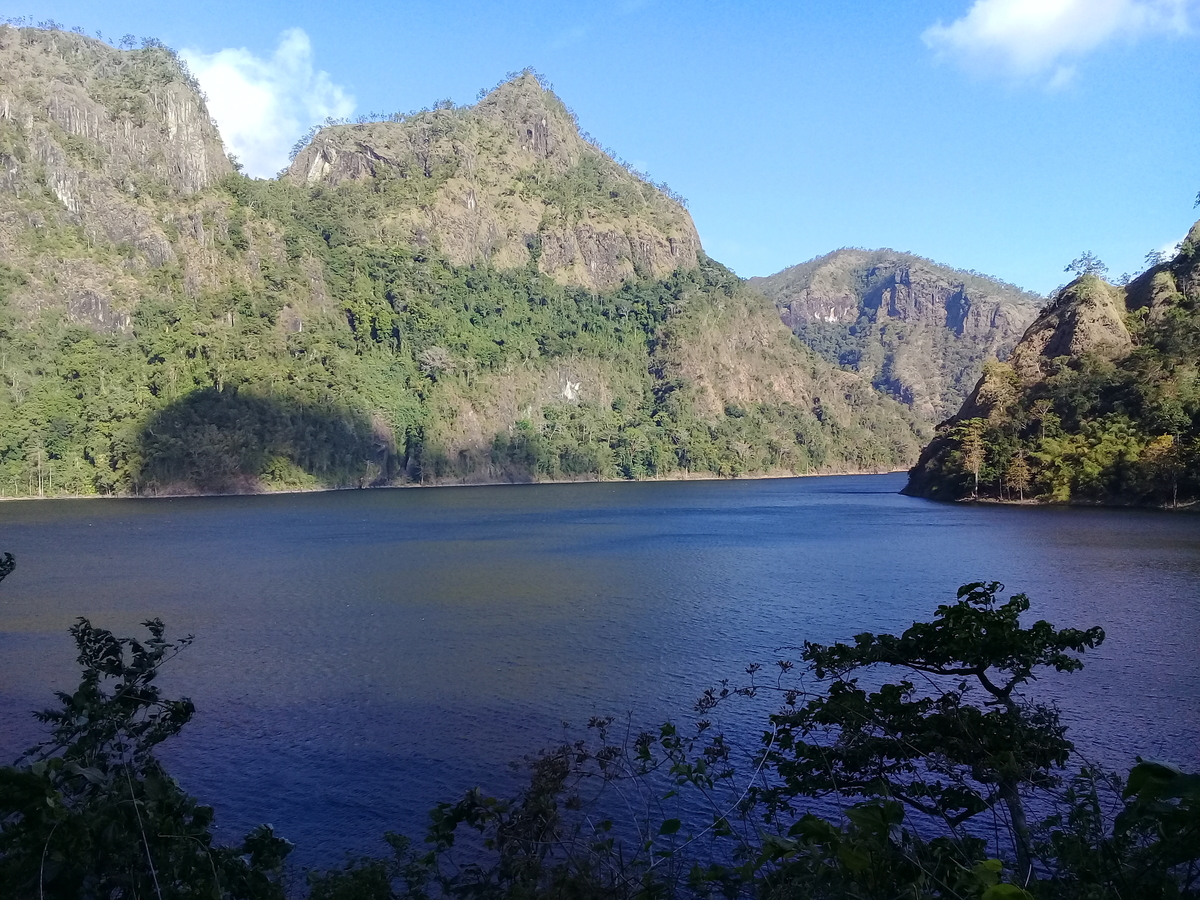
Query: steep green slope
{"points": [[462, 294], [1099, 403], [917, 330]]}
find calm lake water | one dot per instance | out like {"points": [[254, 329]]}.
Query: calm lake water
{"points": [[360, 656]]}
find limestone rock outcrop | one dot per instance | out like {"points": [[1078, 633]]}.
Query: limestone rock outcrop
{"points": [[918, 330], [1088, 316], [107, 134], [511, 181]]}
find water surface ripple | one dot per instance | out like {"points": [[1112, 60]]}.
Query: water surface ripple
{"points": [[362, 655]]}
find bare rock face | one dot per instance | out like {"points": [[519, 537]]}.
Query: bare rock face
{"points": [[510, 181], [109, 135], [847, 285], [126, 115], [918, 330], [1087, 317], [1091, 316]]}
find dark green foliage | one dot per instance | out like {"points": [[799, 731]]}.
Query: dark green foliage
{"points": [[1140, 838], [944, 751], [1093, 429], [1087, 263], [90, 812], [220, 441], [664, 814], [1165, 805], [227, 392], [969, 638]]}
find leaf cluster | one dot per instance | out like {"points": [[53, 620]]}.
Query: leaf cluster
{"points": [[91, 813], [905, 770]]}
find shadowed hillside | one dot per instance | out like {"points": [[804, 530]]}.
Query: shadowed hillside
{"points": [[484, 289], [225, 442]]}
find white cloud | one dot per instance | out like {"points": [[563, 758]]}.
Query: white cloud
{"points": [[1170, 248], [263, 105], [1039, 38]]}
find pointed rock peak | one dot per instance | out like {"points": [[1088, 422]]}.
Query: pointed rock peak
{"points": [[528, 82], [1088, 316], [538, 119], [520, 89], [1193, 236]]}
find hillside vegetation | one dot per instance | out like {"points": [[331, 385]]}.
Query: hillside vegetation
{"points": [[1100, 402], [473, 293], [918, 331]]}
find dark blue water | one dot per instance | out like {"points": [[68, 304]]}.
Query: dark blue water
{"points": [[362, 655]]}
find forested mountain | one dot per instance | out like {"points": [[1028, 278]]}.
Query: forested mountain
{"points": [[470, 293], [917, 330], [1100, 401]]}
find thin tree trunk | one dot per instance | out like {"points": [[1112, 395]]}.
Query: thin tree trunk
{"points": [[1016, 812]]}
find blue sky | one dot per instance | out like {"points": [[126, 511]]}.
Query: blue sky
{"points": [[1005, 136]]}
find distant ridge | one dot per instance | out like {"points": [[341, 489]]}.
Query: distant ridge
{"points": [[917, 330]]}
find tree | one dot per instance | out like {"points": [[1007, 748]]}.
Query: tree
{"points": [[1087, 263], [90, 813], [973, 447], [941, 748], [1018, 473], [1164, 459], [436, 360], [1042, 411]]}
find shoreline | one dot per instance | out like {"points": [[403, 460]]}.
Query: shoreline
{"points": [[1189, 507], [683, 476]]}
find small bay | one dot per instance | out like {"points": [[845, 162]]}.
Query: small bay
{"points": [[362, 655]]}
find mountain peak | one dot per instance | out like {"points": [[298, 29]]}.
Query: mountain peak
{"points": [[538, 120], [527, 83], [919, 330], [509, 181]]}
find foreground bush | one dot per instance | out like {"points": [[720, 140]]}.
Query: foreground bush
{"points": [[912, 769], [91, 813]]}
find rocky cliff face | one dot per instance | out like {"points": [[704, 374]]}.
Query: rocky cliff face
{"points": [[1088, 316], [918, 330], [462, 294], [510, 181], [1098, 402], [1092, 317], [93, 140]]}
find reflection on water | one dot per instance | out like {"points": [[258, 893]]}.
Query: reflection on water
{"points": [[361, 655]]}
